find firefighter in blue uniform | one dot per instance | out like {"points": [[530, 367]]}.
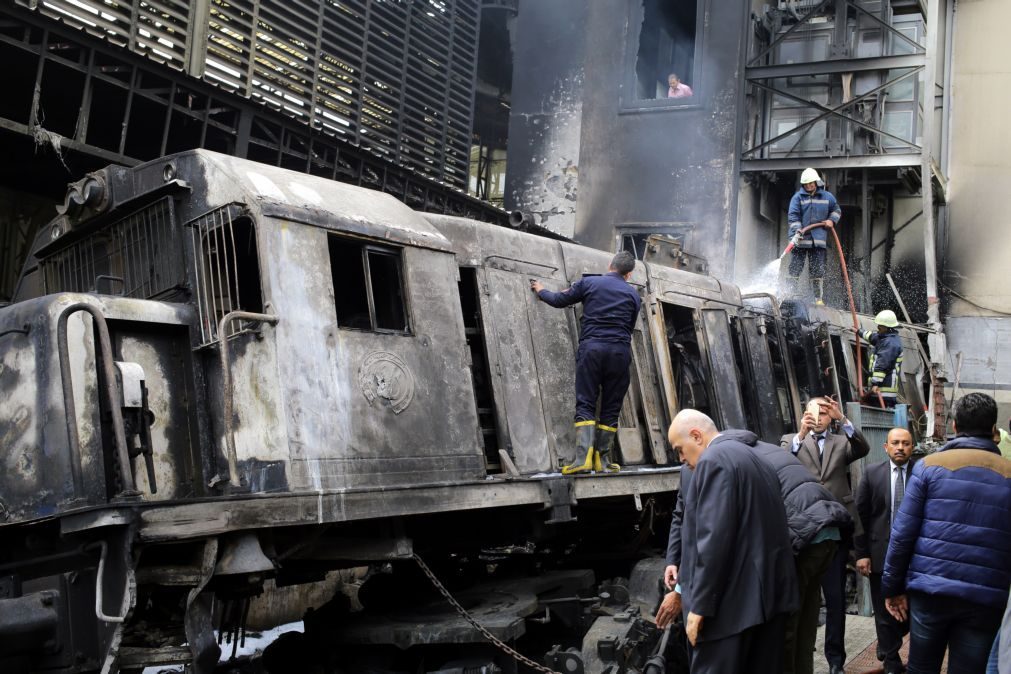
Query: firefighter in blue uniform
{"points": [[886, 359], [813, 211], [610, 309]]}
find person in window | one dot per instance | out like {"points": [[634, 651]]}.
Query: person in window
{"points": [[610, 309], [676, 88]]}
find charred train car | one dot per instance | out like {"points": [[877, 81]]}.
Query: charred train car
{"points": [[217, 373]]}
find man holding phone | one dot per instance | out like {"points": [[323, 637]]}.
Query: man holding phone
{"points": [[828, 455]]}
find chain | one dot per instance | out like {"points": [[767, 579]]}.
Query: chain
{"points": [[498, 643]]}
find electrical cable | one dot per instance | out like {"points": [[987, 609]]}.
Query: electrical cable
{"points": [[974, 303]]}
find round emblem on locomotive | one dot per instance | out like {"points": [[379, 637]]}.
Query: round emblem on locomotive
{"points": [[384, 376]]}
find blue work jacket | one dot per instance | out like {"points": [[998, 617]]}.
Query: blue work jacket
{"points": [[809, 208], [610, 307], [886, 360]]}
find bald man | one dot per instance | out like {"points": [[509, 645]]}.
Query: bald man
{"points": [[737, 574], [878, 497]]}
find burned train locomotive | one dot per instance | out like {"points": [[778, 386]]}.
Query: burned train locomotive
{"points": [[221, 378]]}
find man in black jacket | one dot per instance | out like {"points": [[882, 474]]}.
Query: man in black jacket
{"points": [[886, 360], [737, 574], [817, 521], [878, 496]]}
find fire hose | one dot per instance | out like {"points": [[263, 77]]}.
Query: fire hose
{"points": [[856, 323]]}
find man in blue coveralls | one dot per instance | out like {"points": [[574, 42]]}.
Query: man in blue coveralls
{"points": [[813, 211], [610, 309]]}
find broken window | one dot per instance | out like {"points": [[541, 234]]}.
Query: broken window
{"points": [[633, 237], [227, 267], [666, 47], [368, 286], [846, 386], [473, 325], [688, 370]]}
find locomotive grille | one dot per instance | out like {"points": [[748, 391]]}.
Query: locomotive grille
{"points": [[138, 256], [226, 267]]}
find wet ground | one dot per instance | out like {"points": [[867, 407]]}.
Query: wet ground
{"points": [[861, 647]]}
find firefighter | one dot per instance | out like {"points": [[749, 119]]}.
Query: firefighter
{"points": [[610, 309], [813, 211], [886, 358]]}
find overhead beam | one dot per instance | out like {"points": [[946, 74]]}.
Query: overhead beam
{"points": [[63, 142], [897, 160], [834, 66]]}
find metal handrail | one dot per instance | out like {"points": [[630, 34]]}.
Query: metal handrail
{"points": [[226, 384], [109, 372]]}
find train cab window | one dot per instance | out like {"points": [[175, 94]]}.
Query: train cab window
{"points": [[842, 369], [227, 269], [368, 283], [688, 368]]}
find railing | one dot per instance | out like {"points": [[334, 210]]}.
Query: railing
{"points": [[226, 385], [109, 374]]}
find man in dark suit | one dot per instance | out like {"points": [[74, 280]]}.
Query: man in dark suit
{"points": [[827, 455], [878, 497], [737, 573]]}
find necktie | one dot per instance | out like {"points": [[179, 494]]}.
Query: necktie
{"points": [[819, 441], [899, 491]]}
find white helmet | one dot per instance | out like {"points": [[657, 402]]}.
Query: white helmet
{"points": [[887, 318], [809, 176]]}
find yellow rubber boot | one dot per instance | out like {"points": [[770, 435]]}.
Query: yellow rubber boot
{"points": [[604, 444], [819, 291], [584, 449]]}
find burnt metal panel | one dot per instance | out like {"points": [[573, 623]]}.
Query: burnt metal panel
{"points": [[511, 317], [725, 381], [363, 408], [164, 354], [645, 378], [761, 379]]}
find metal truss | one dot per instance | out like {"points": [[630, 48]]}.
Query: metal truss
{"points": [[105, 102], [761, 74], [836, 112]]}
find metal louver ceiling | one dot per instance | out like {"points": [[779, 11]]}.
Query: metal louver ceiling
{"points": [[393, 76]]}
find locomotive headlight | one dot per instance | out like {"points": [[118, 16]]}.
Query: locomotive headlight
{"points": [[90, 193], [93, 192]]}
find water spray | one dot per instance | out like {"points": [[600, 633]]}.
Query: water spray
{"points": [[853, 309]]}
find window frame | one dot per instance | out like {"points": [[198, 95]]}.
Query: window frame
{"points": [[201, 274], [683, 230], [397, 253], [628, 103]]}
